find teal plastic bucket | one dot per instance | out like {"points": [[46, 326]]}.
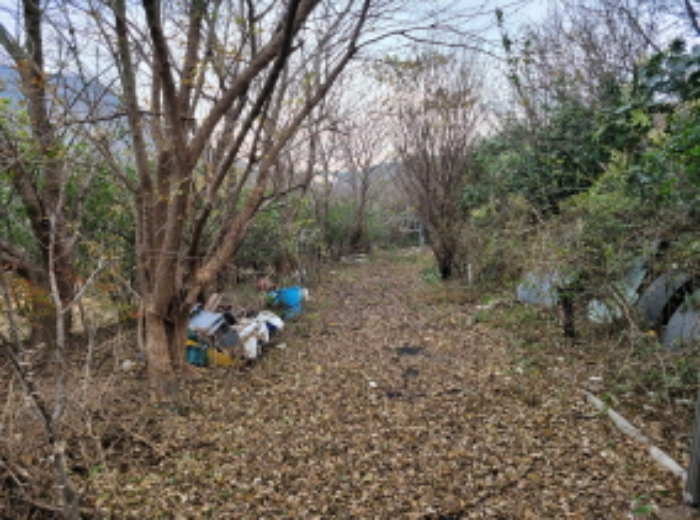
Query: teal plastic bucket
{"points": [[197, 355]]}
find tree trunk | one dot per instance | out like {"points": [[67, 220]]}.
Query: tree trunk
{"points": [[159, 351], [445, 264], [445, 252], [359, 243], [42, 316], [568, 321]]}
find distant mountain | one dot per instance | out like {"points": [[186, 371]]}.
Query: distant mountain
{"points": [[69, 93]]}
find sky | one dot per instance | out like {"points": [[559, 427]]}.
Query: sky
{"points": [[478, 14]]}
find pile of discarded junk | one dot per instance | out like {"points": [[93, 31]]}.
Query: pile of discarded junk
{"points": [[666, 302], [217, 336]]}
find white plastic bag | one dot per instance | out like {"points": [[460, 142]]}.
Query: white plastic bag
{"points": [[253, 334]]}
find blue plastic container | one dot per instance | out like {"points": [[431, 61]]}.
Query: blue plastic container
{"points": [[290, 298]]}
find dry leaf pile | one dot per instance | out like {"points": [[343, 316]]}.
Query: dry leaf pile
{"points": [[387, 403]]}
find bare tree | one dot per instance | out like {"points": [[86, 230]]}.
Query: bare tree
{"points": [[365, 146], [581, 48], [38, 173], [325, 183], [243, 100], [439, 124]]}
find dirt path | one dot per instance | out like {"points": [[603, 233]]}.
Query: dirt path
{"points": [[390, 403]]}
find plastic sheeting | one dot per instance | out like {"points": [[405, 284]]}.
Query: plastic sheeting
{"points": [[540, 287], [625, 292], [683, 329], [653, 304]]}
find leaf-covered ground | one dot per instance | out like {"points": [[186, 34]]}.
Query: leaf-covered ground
{"points": [[390, 401]]}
